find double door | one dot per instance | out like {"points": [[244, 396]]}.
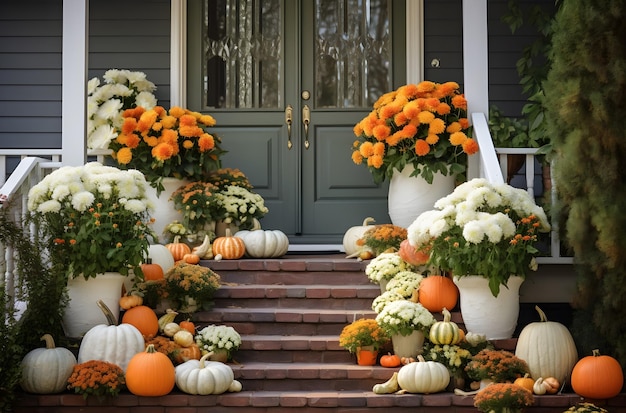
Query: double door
{"points": [[287, 81]]}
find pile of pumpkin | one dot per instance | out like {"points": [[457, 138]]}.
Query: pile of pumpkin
{"points": [[153, 364], [254, 243], [546, 346]]}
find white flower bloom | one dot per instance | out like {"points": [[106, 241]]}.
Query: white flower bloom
{"points": [[146, 100], [82, 200], [49, 206], [135, 205]]}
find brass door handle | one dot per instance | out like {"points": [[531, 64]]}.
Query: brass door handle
{"points": [[306, 120], [289, 121]]}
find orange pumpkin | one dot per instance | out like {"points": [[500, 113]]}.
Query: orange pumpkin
{"points": [[229, 246], [597, 377], [188, 325], [191, 258], [150, 373], [144, 319], [526, 382], [437, 292], [390, 360], [183, 354], [411, 255], [129, 301], [151, 272], [178, 249]]}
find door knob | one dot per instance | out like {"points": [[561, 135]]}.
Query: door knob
{"points": [[289, 121], [306, 119]]}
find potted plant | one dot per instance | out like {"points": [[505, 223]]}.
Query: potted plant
{"points": [[419, 130], [363, 335], [238, 208], [97, 378], [198, 202], [485, 235], [221, 340], [405, 322], [190, 287], [496, 366], [382, 238], [503, 398], [384, 267], [95, 222], [454, 356]]}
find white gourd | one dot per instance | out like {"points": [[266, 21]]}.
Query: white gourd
{"points": [[205, 377], [264, 243], [353, 234], [423, 377], [46, 370], [548, 348], [161, 255]]}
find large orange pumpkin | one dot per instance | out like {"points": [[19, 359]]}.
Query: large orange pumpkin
{"points": [[150, 373], [151, 271], [597, 377], [411, 255], [144, 319], [229, 246], [437, 292]]}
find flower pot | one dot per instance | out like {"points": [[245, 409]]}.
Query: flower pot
{"points": [[219, 355], [482, 313], [82, 313], [408, 346], [221, 226], [164, 211], [366, 356], [409, 196]]}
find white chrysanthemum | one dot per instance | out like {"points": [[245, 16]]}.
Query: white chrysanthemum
{"points": [[135, 206], [146, 100], [493, 230], [385, 266], [114, 76], [101, 137], [215, 337], [49, 206], [134, 77], [405, 283], [144, 85], [109, 109], [385, 298], [60, 192], [82, 200], [506, 224], [404, 314], [92, 84], [474, 232]]}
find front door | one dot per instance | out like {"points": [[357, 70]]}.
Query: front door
{"points": [[287, 81]]}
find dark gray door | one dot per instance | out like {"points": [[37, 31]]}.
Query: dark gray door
{"points": [[287, 81]]}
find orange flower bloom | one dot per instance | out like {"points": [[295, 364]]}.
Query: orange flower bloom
{"points": [[177, 111], [132, 140], [129, 125], [436, 127], [206, 142], [375, 160], [187, 120], [187, 144], [457, 138], [421, 147], [379, 149], [426, 117], [146, 120], [124, 156], [367, 149], [432, 139], [357, 158], [470, 146], [163, 151], [459, 102], [381, 132]]}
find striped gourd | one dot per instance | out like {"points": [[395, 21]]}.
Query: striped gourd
{"points": [[229, 246], [444, 332]]}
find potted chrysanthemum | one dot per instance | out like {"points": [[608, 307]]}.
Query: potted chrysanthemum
{"points": [[405, 322], [95, 221], [484, 234], [503, 398], [220, 340], [384, 267]]}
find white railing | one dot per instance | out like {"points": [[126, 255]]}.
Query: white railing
{"points": [[494, 167]]}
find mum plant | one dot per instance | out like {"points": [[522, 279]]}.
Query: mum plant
{"points": [[122, 89], [503, 398], [198, 202], [403, 317], [453, 356], [162, 143], [214, 338], [361, 333], [383, 238], [93, 218], [385, 266], [98, 378], [585, 407], [496, 365], [424, 125], [482, 229], [190, 287], [239, 206]]}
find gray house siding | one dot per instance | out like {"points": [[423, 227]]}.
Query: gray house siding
{"points": [[135, 35]]}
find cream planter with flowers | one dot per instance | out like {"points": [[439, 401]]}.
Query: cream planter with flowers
{"points": [[164, 210]]}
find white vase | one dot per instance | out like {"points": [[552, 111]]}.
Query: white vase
{"points": [[82, 311], [408, 346], [221, 227], [409, 196], [164, 212], [482, 313]]}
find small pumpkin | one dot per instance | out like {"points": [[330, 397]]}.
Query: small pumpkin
{"points": [[110, 342], [150, 373], [46, 370], [423, 376], [184, 354], [191, 258], [204, 377], [412, 255], [261, 243], [229, 247], [597, 376], [130, 300], [178, 249], [160, 255], [548, 348], [353, 234], [188, 325], [144, 319], [165, 319], [151, 271], [444, 332], [390, 360], [438, 292], [526, 382], [183, 338], [170, 329]]}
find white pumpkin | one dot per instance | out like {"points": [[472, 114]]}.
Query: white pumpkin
{"points": [[46, 370], [353, 234], [161, 255], [548, 348], [423, 377], [116, 344], [205, 377], [261, 243]]}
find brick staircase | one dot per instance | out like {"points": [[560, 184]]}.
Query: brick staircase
{"points": [[289, 313]]}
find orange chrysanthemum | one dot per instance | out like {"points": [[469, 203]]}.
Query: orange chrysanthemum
{"points": [[367, 149], [207, 120], [163, 151], [381, 132], [357, 158], [379, 149], [421, 147], [376, 161], [425, 87], [129, 125], [457, 138], [412, 109], [168, 121], [432, 139], [437, 126], [454, 127], [206, 142], [459, 102], [177, 111], [187, 120], [146, 120], [187, 144], [124, 156], [426, 117], [470, 146], [132, 140]]}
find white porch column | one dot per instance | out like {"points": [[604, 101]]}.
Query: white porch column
{"points": [[475, 65], [178, 53], [74, 81]]}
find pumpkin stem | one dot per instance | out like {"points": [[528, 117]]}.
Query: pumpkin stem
{"points": [[542, 315], [49, 340], [107, 313], [446, 315], [368, 221], [204, 359], [150, 349], [420, 358], [595, 352]]}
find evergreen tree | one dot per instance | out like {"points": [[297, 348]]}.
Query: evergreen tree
{"points": [[586, 101]]}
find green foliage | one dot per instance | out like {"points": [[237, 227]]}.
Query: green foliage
{"points": [[586, 102], [43, 291]]}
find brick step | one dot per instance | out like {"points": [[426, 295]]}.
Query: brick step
{"points": [[344, 401], [292, 349], [347, 297]]}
